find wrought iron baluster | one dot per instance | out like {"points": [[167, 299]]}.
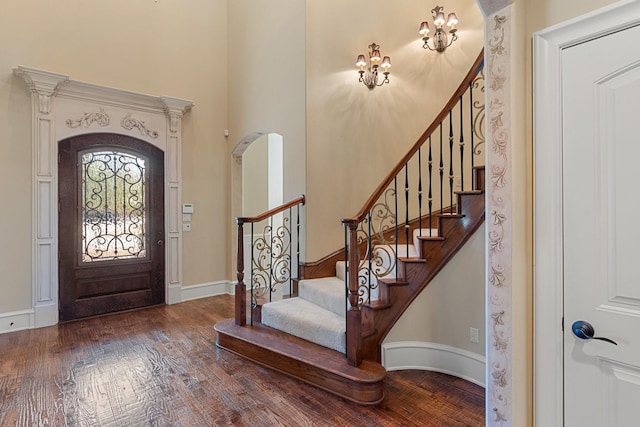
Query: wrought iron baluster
{"points": [[473, 175], [430, 201], [406, 208], [441, 174], [395, 197], [297, 247], [451, 176], [477, 118], [254, 302], [461, 147], [370, 253], [290, 249], [420, 189], [270, 258]]}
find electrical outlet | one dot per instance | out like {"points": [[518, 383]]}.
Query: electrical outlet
{"points": [[457, 183], [474, 335]]}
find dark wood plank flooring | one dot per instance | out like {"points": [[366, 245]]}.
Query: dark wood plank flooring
{"points": [[160, 366]]}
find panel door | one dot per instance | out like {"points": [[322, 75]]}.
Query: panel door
{"points": [[601, 207], [111, 225]]}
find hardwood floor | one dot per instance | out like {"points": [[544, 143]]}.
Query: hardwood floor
{"points": [[160, 366]]}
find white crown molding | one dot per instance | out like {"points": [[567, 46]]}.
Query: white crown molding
{"points": [[42, 83], [49, 83], [175, 108]]}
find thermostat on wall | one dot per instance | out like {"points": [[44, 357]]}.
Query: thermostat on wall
{"points": [[187, 208]]}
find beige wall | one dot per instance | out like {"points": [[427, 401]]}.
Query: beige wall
{"points": [[356, 135], [158, 48], [266, 90], [451, 304]]}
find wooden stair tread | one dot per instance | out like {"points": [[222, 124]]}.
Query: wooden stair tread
{"points": [[434, 238], [412, 260], [450, 215], [377, 305], [304, 360], [393, 282]]}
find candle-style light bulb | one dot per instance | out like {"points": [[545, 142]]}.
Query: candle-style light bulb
{"points": [[386, 63], [375, 56], [452, 21], [424, 29]]}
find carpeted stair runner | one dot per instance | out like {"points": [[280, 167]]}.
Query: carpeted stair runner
{"points": [[317, 314]]}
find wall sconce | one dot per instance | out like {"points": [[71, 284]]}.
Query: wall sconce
{"points": [[369, 76], [440, 37]]}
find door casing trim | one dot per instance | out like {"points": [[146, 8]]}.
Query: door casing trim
{"points": [[63, 108], [548, 45]]}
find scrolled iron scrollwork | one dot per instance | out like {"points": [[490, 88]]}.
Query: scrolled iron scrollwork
{"points": [[376, 242], [113, 206], [478, 115], [270, 261]]}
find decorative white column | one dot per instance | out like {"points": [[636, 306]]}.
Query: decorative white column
{"points": [[174, 110], [43, 86], [499, 206], [499, 395]]}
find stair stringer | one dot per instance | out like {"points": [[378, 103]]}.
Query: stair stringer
{"points": [[415, 275]]}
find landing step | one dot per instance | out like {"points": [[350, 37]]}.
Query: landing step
{"points": [[319, 366]]}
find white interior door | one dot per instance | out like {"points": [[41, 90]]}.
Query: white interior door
{"points": [[601, 221]]}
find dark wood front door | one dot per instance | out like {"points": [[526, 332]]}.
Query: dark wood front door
{"points": [[110, 225]]}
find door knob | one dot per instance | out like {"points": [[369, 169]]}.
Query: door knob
{"points": [[160, 242], [585, 331]]}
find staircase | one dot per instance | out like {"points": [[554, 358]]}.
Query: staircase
{"points": [[328, 330]]}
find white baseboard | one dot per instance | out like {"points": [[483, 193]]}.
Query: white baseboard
{"points": [[174, 294], [47, 314], [206, 290], [16, 321], [435, 357]]}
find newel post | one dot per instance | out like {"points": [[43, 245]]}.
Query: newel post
{"points": [[241, 288], [354, 315]]}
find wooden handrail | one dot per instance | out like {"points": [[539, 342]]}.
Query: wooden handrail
{"points": [[473, 72], [300, 200]]}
